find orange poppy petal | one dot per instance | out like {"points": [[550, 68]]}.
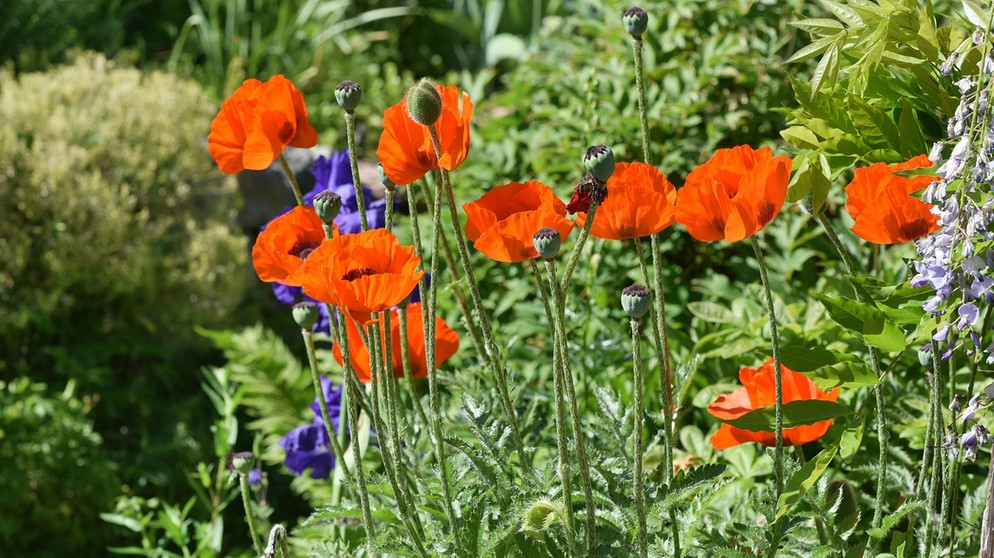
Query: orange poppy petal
{"points": [[640, 202], [278, 250]]}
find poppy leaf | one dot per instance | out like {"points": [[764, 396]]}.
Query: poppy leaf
{"points": [[795, 413], [801, 481], [851, 439]]}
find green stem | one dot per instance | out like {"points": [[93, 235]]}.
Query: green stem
{"points": [[434, 403], [574, 256], [243, 484], [640, 86], [353, 398], [354, 163], [492, 351], [277, 539], [562, 436], [405, 357], [638, 487], [935, 418], [319, 395], [293, 180], [877, 369], [559, 300]]}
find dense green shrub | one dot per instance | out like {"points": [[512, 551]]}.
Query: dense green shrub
{"points": [[115, 243], [54, 475]]}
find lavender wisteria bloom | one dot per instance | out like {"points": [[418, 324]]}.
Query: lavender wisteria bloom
{"points": [[955, 261], [308, 446]]}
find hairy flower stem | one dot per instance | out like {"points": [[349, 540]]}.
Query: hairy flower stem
{"points": [[639, 412], [561, 339], [243, 484], [434, 403], [339, 451], [640, 86], [574, 256], [405, 357], [277, 536], [878, 503], [293, 180], [354, 163], [778, 382], [562, 432], [935, 475], [450, 261], [491, 349]]}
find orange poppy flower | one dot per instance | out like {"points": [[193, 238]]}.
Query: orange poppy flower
{"points": [[285, 243], [501, 224], [257, 123], [733, 195], [880, 203], [446, 345], [405, 149], [360, 273], [760, 391], [640, 202]]}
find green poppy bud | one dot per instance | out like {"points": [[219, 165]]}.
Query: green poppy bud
{"points": [[348, 94], [424, 104], [925, 356], [305, 314], [327, 204], [547, 242], [599, 161], [387, 183], [242, 462], [635, 300], [636, 21]]}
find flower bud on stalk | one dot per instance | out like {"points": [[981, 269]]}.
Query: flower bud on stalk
{"points": [[636, 21], [547, 242], [424, 104], [348, 94], [635, 300]]}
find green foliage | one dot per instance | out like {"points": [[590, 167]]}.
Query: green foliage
{"points": [[54, 474]]}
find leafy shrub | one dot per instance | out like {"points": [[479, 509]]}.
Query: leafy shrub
{"points": [[54, 474]]}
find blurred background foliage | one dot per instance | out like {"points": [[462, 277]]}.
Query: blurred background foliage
{"points": [[118, 237]]}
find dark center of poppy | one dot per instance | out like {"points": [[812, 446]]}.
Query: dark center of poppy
{"points": [[286, 132], [354, 274], [766, 214], [913, 230], [303, 249]]}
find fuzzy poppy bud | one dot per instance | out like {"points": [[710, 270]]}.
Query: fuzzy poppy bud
{"points": [[305, 314], [925, 356], [242, 462], [599, 161], [348, 94], [387, 183], [547, 242], [635, 300], [636, 21], [424, 104], [327, 204]]}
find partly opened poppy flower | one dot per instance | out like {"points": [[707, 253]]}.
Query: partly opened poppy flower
{"points": [[361, 273], [446, 345], [285, 243], [406, 151], [881, 205], [257, 123], [759, 392], [640, 202], [503, 222], [733, 195]]}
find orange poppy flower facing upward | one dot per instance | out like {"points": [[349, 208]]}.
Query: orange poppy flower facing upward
{"points": [[640, 202], [406, 151], [360, 273], [882, 207], [503, 222], [759, 392], [257, 123], [285, 243], [733, 195], [446, 345]]}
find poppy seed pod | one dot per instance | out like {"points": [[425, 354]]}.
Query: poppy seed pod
{"points": [[635, 300], [424, 104], [636, 21], [327, 204], [348, 94], [305, 314], [547, 242], [387, 183], [242, 462], [599, 161]]}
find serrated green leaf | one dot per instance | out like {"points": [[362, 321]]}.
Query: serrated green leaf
{"points": [[814, 49], [845, 13], [805, 359], [845, 375], [818, 26], [867, 321], [802, 481], [851, 439], [795, 413], [711, 312], [801, 137]]}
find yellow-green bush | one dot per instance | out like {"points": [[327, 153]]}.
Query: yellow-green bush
{"points": [[115, 224]]}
